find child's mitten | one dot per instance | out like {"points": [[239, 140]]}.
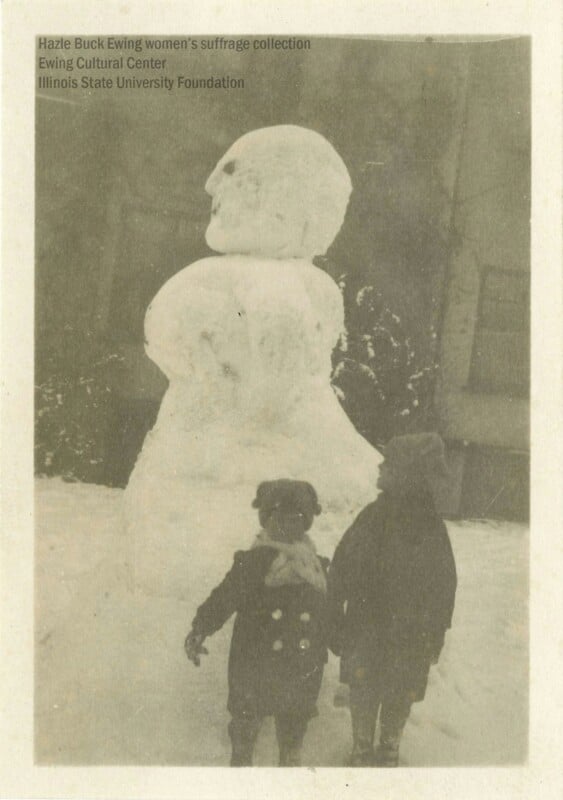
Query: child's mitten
{"points": [[194, 647]]}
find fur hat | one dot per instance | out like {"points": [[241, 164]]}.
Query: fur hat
{"points": [[289, 494], [420, 452]]}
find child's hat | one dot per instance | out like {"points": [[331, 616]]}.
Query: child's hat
{"points": [[288, 494], [421, 451]]}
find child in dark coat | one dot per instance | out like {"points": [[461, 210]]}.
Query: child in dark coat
{"points": [[278, 648], [392, 588]]}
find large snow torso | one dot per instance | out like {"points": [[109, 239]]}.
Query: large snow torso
{"points": [[246, 344]]}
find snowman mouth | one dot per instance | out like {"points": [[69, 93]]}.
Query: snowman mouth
{"points": [[215, 209]]}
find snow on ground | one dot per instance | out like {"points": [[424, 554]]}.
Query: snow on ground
{"points": [[113, 685]]}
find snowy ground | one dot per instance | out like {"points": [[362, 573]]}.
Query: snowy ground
{"points": [[113, 685]]}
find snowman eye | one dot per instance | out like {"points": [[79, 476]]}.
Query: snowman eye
{"points": [[229, 167]]}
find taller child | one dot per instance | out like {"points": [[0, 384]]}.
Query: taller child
{"points": [[394, 571]]}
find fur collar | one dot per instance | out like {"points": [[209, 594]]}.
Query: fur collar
{"points": [[295, 563]]}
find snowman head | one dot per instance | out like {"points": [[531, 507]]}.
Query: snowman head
{"points": [[278, 192]]}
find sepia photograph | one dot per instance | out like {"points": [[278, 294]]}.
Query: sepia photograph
{"points": [[282, 400]]}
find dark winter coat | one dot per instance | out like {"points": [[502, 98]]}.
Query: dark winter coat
{"points": [[392, 588], [278, 648]]}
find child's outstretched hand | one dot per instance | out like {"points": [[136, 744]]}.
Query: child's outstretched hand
{"points": [[194, 647]]}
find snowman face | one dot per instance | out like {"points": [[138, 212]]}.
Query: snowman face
{"points": [[239, 217], [278, 192]]}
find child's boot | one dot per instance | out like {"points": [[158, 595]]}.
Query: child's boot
{"points": [[387, 753], [394, 715], [243, 732], [362, 752], [290, 732], [363, 711], [363, 730]]}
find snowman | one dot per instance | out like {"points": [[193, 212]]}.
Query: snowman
{"points": [[245, 339]]}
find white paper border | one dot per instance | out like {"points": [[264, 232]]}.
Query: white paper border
{"points": [[22, 21]]}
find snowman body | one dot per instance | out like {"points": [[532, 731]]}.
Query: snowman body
{"points": [[245, 340]]}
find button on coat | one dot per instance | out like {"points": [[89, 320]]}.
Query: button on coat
{"points": [[273, 667]]}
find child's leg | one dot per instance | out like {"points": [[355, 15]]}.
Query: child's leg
{"points": [[394, 714], [364, 705], [243, 731], [290, 732]]}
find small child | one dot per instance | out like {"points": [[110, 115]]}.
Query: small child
{"points": [[394, 571], [278, 647]]}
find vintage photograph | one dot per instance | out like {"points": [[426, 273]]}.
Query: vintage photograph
{"points": [[282, 403]]}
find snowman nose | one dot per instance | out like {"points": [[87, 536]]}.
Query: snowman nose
{"points": [[218, 175], [213, 181]]}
